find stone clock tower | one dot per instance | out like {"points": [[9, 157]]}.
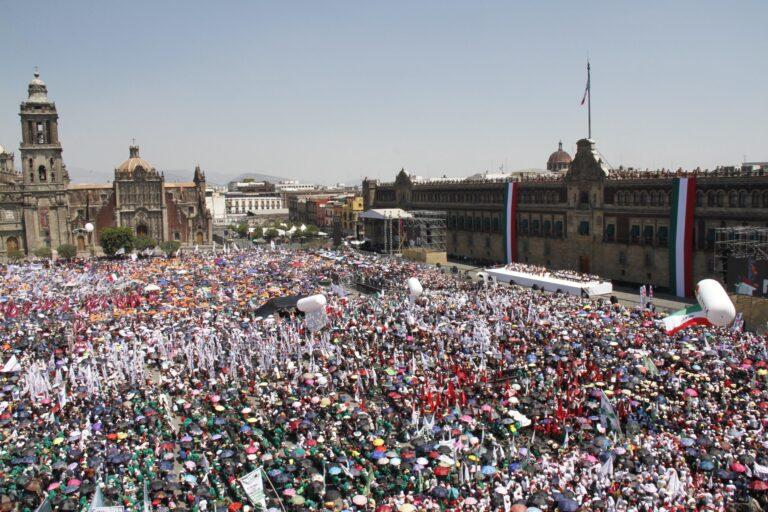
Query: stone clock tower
{"points": [[45, 177]]}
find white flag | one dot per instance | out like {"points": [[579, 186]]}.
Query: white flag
{"points": [[12, 366], [120, 251], [254, 488]]}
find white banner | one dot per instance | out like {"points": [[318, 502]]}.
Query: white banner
{"points": [[253, 486]]}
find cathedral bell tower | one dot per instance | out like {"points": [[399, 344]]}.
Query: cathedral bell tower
{"points": [[44, 175]]}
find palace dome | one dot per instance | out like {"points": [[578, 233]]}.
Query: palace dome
{"points": [[559, 160]]}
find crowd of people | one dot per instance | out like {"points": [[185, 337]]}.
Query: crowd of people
{"points": [[152, 383], [538, 270]]}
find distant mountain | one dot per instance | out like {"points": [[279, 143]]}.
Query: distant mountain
{"points": [[255, 176], [81, 175]]}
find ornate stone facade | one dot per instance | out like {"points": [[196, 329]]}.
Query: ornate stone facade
{"points": [[611, 222], [39, 207]]}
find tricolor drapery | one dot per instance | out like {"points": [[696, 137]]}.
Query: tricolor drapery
{"points": [[510, 222], [682, 205]]}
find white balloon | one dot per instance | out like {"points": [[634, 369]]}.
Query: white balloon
{"points": [[312, 303], [414, 287], [715, 303], [89, 227]]}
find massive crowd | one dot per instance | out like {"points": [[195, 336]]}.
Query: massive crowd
{"points": [[154, 378]]}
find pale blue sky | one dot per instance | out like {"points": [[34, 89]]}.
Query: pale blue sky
{"points": [[334, 91]]}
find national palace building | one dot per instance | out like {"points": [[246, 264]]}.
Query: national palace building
{"points": [[581, 214], [39, 207]]}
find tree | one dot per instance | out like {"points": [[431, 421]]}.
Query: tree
{"points": [[311, 231], [15, 255], [242, 229], [270, 234], [257, 232], [42, 252], [143, 243], [66, 251], [169, 247], [114, 239]]}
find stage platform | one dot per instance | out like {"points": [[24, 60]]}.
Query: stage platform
{"points": [[551, 284]]}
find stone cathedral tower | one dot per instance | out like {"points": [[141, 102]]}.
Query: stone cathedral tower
{"points": [[44, 175]]}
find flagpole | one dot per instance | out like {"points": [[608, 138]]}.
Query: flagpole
{"points": [[589, 102]]}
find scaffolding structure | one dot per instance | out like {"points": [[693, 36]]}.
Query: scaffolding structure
{"points": [[427, 229], [741, 242]]}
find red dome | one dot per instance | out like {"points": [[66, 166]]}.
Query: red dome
{"points": [[559, 160]]}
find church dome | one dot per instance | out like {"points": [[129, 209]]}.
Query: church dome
{"points": [[134, 162], [559, 160]]}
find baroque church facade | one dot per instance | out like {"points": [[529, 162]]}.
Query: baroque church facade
{"points": [[40, 207]]}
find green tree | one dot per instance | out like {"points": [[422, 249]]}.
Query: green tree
{"points": [[169, 247], [242, 229], [258, 232], [114, 239], [66, 251], [143, 243], [15, 255], [42, 252], [311, 231], [270, 234]]}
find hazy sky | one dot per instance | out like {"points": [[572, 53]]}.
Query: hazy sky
{"points": [[330, 91]]}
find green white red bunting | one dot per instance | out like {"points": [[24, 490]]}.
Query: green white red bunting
{"points": [[682, 206], [510, 222], [687, 317]]}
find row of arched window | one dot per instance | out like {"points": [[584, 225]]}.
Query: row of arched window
{"points": [[732, 199], [642, 198], [539, 196], [473, 196]]}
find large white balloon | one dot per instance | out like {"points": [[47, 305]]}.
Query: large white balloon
{"points": [[715, 303], [414, 287], [312, 303]]}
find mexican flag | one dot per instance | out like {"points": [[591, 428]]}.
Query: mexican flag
{"points": [[510, 221], [682, 206], [687, 317]]}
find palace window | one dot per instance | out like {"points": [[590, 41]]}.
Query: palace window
{"points": [[732, 199], [610, 232], [663, 235], [559, 229], [711, 198], [524, 226], [634, 234], [743, 196], [720, 198], [649, 259], [547, 228], [648, 234], [584, 228], [42, 174], [699, 198], [535, 227]]}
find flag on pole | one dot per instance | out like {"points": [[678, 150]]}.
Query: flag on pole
{"points": [[608, 414], [687, 317], [253, 486], [120, 251], [606, 470], [586, 90]]}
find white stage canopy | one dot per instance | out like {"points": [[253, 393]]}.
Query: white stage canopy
{"points": [[551, 284]]}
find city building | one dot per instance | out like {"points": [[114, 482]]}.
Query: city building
{"points": [[588, 217], [41, 208]]}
